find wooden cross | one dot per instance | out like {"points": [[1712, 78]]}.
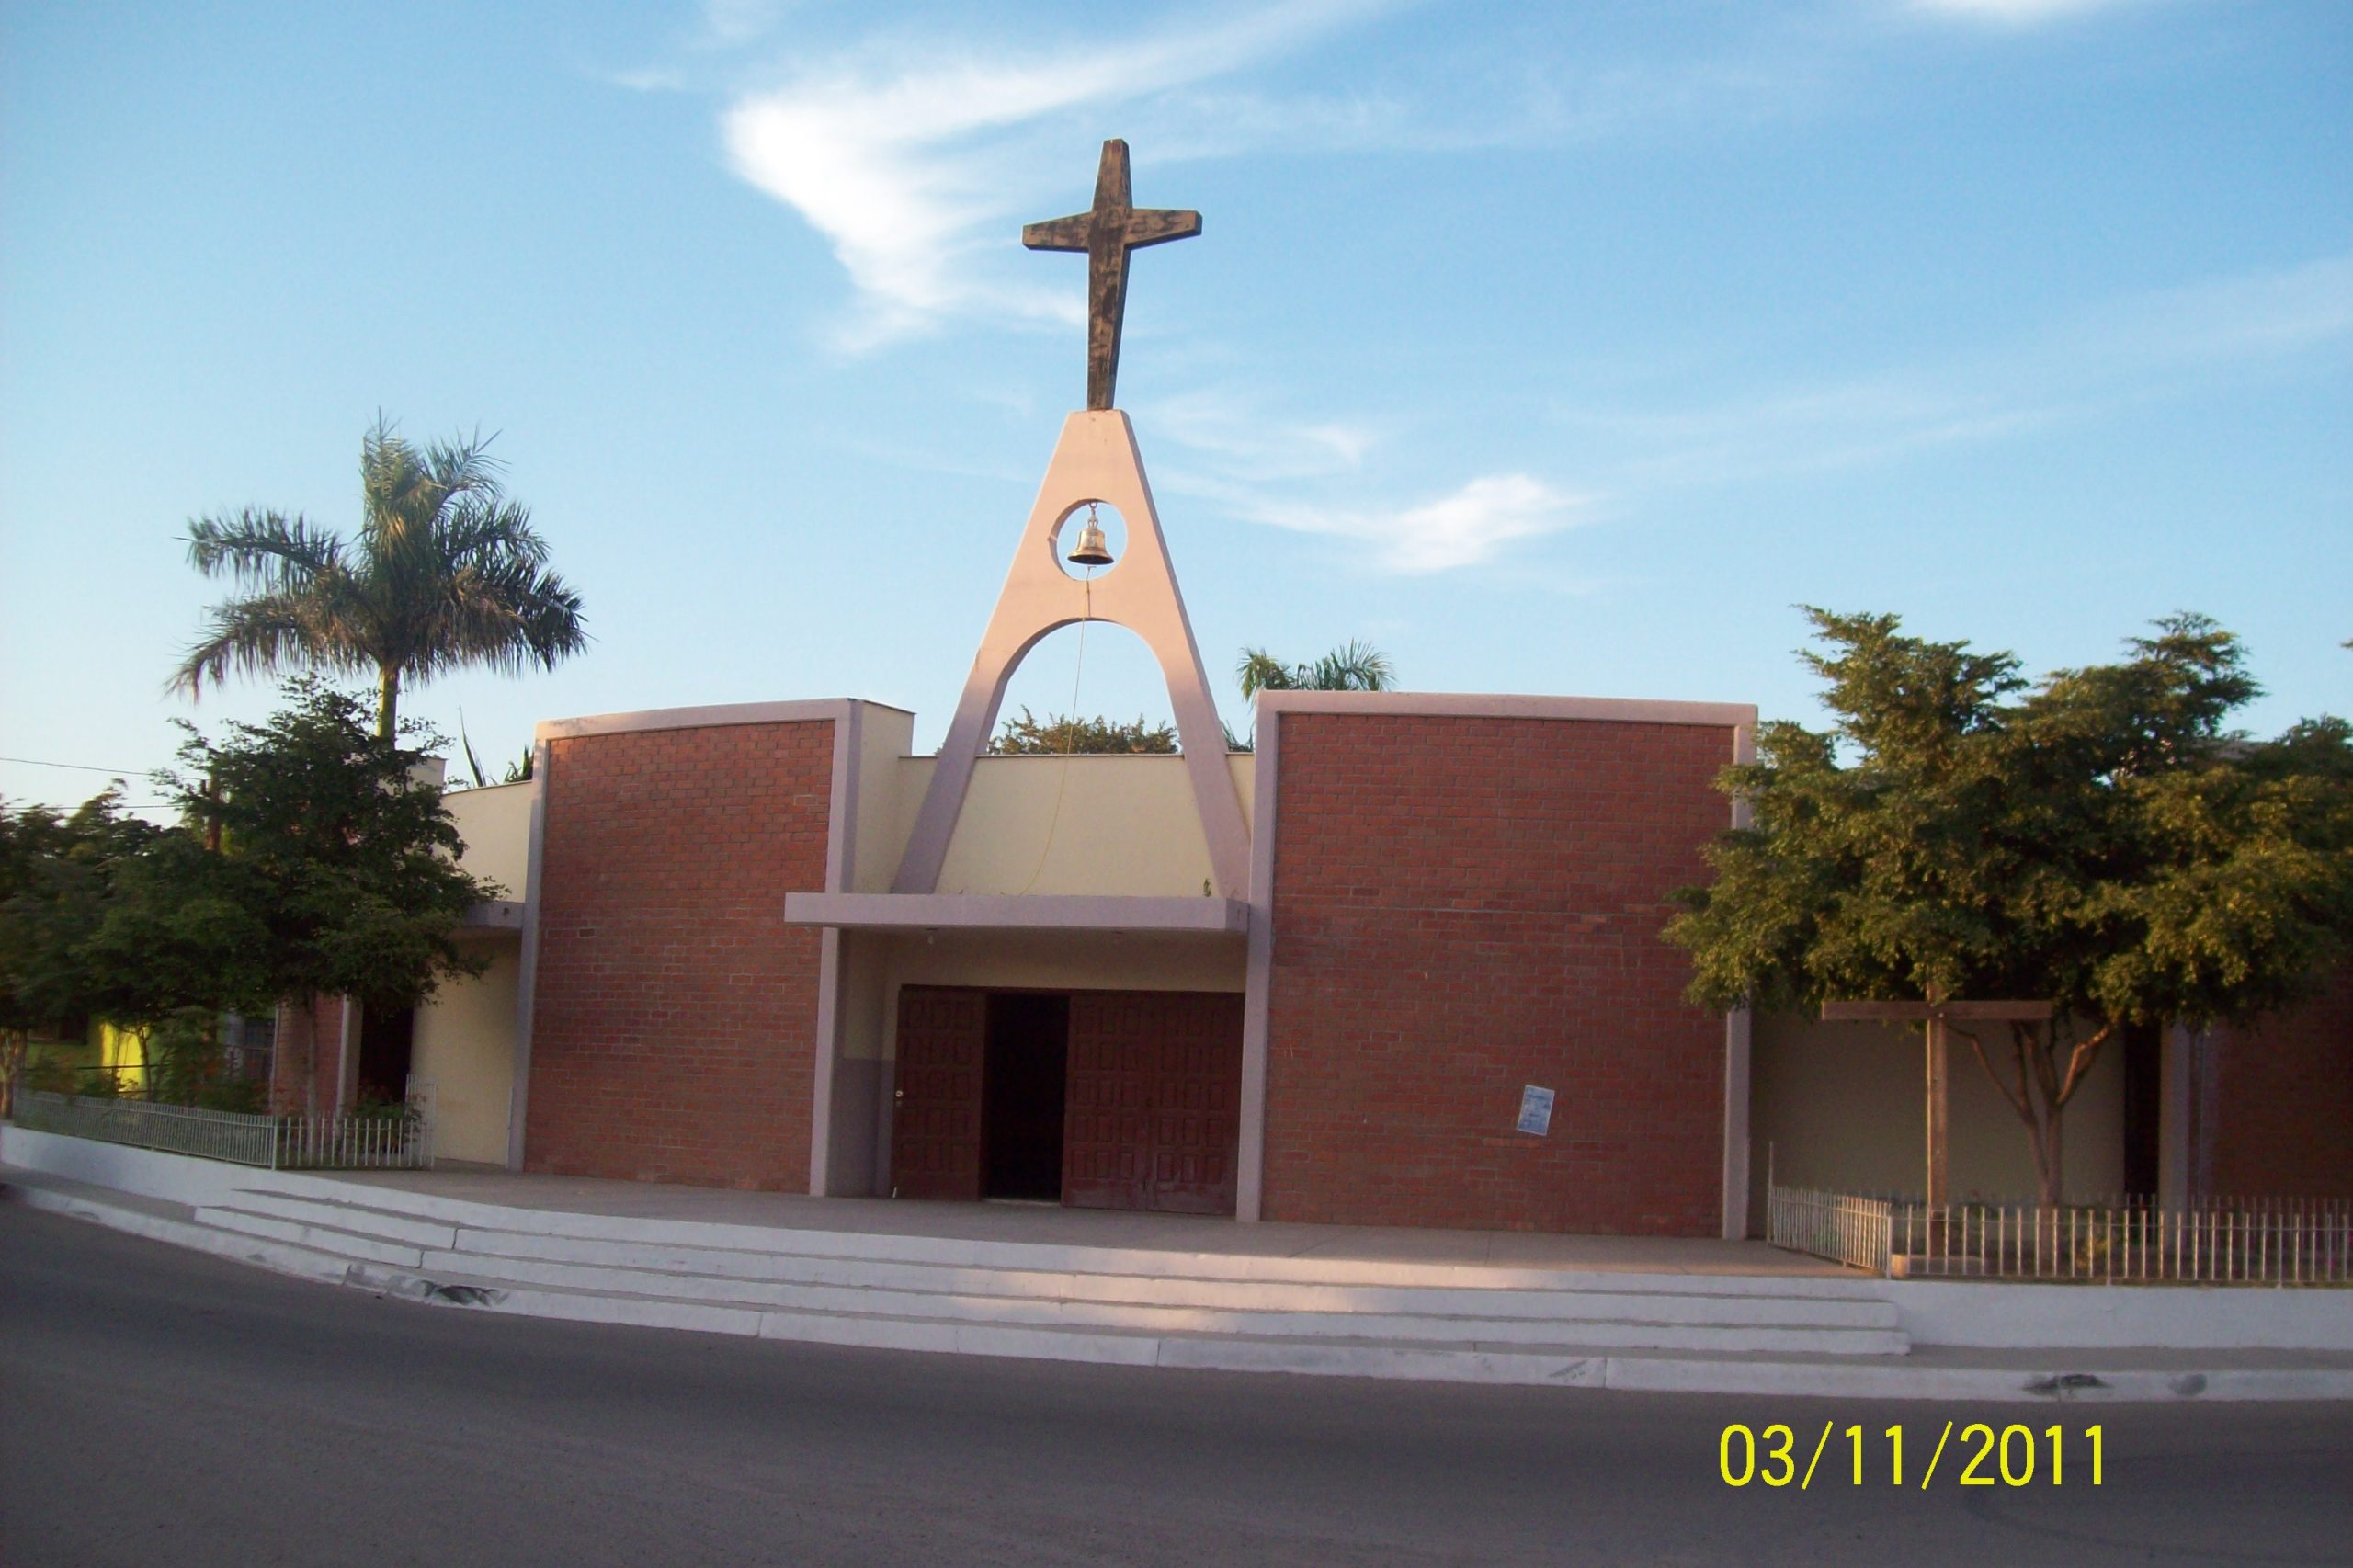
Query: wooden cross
{"points": [[1936, 1015], [1106, 232]]}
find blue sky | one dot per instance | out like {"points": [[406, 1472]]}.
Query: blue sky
{"points": [[1550, 349]]}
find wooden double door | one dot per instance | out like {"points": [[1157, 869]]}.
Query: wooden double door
{"points": [[1150, 1105]]}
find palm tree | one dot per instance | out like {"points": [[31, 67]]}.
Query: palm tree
{"points": [[1352, 666], [446, 572]]}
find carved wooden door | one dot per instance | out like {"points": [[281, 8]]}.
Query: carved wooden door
{"points": [[935, 1126], [1153, 1116], [1106, 1104], [1196, 1108]]}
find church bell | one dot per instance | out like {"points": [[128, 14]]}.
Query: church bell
{"points": [[1092, 550]]}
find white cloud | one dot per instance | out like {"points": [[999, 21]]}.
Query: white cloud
{"points": [[729, 23], [903, 167], [2144, 347], [1258, 467], [2259, 314], [648, 79], [1251, 447], [914, 162], [2013, 13], [1468, 528]]}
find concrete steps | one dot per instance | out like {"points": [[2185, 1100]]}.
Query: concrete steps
{"points": [[1775, 1337], [1119, 1306], [1082, 1301], [165, 1222], [1351, 1355], [389, 1224], [1203, 1290]]}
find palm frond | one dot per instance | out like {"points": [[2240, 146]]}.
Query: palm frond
{"points": [[1353, 667], [510, 615], [259, 634], [1261, 671], [473, 763], [262, 549], [478, 531], [445, 571], [388, 473], [466, 468]]}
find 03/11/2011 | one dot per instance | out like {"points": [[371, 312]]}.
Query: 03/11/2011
{"points": [[2015, 1455]]}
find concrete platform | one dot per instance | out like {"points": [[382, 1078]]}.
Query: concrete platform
{"points": [[1042, 1282], [1050, 1224]]}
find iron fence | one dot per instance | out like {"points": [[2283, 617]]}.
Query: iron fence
{"points": [[355, 1142], [2275, 1241], [1841, 1226], [403, 1141]]}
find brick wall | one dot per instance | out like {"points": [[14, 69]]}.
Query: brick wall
{"points": [[1463, 906], [674, 1012], [2283, 1111]]}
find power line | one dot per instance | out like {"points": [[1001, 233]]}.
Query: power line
{"points": [[79, 767]]}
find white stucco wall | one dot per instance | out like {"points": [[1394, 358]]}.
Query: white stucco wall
{"points": [[495, 822], [1844, 1106], [1053, 824], [885, 735], [465, 1049]]}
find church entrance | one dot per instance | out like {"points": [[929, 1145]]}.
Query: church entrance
{"points": [[387, 1052], [1023, 1074], [1098, 1100]]}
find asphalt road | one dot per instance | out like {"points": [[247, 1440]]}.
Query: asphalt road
{"points": [[159, 1407]]}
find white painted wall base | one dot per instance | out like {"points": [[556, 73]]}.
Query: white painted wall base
{"points": [[176, 1178], [2145, 1317]]}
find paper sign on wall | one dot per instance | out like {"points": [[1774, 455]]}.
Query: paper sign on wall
{"points": [[1536, 1110]]}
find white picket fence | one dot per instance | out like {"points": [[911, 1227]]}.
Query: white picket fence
{"points": [[2119, 1241], [273, 1143]]}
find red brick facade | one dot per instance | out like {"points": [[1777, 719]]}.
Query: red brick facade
{"points": [[1466, 905], [674, 1012], [306, 1061], [2283, 1102]]}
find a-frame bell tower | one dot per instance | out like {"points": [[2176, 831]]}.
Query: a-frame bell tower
{"points": [[1096, 461]]}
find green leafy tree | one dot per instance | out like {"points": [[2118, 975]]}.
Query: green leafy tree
{"points": [[335, 845], [2098, 839], [313, 858], [1063, 734], [446, 572], [57, 877]]}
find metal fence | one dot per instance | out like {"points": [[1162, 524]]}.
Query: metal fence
{"points": [[2114, 1242], [274, 1143], [1841, 1226], [355, 1142]]}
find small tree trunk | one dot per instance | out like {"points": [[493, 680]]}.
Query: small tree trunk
{"points": [[12, 1067], [388, 701], [2051, 1157]]}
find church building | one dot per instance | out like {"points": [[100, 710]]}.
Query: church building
{"points": [[1399, 965]]}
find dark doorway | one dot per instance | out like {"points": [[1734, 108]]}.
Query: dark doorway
{"points": [[387, 1044], [1027, 1066], [2144, 1107]]}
